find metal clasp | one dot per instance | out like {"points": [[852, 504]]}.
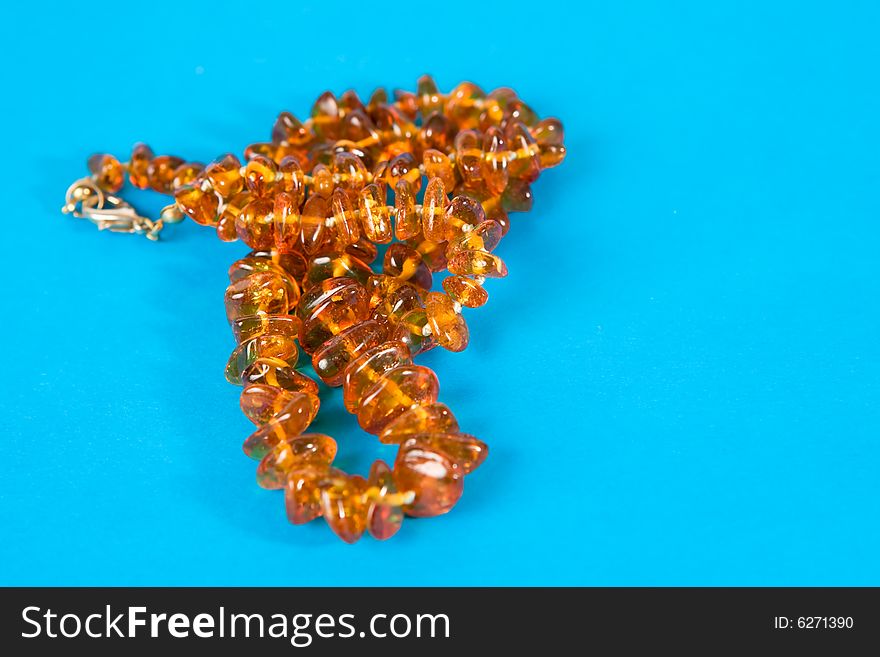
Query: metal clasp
{"points": [[84, 199]]}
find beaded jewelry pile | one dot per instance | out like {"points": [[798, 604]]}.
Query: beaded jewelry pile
{"points": [[313, 204]]}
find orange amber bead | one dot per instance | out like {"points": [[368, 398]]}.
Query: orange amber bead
{"points": [[429, 96], [438, 165], [286, 217], [484, 237], [495, 160], [302, 494], [462, 214], [384, 517], [322, 181], [351, 171], [364, 250], [160, 172], [477, 263], [267, 345], [259, 293], [322, 267], [292, 179], [312, 233], [290, 422], [250, 264], [469, 157], [198, 205], [436, 132], [549, 135], [397, 299], [187, 173], [224, 174], [260, 402], [434, 225], [331, 359], [139, 165], [289, 130], [462, 104], [396, 391], [465, 291], [408, 223], [345, 228], [291, 454], [259, 175], [275, 372], [517, 197], [344, 507], [325, 116], [462, 449], [226, 228], [364, 370], [255, 224], [374, 214], [436, 480], [526, 165], [433, 253], [447, 326], [404, 168], [413, 331], [429, 418], [108, 172], [328, 309], [249, 326], [405, 263]]}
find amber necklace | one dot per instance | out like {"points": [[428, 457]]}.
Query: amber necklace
{"points": [[313, 204]]}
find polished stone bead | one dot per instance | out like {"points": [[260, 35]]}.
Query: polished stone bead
{"points": [[224, 174], [428, 418], [436, 480], [368, 367], [396, 391], [344, 507], [447, 325], [331, 359], [290, 422], [292, 453], [384, 515], [266, 345], [260, 293]]}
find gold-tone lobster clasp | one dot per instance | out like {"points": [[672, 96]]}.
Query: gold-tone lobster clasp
{"points": [[84, 199]]}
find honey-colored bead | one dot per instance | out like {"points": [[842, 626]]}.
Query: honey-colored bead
{"points": [[447, 326], [438, 165], [429, 96], [259, 175], [322, 267], [413, 331], [250, 264], [494, 164], [293, 263], [198, 205], [436, 132], [429, 418], [408, 223], [463, 105], [289, 130], [465, 291], [328, 309], [226, 228], [433, 253], [344, 507], [260, 293], [405, 263], [250, 326], [293, 419], [232, 207], [469, 157], [292, 180], [477, 263], [517, 197], [434, 222], [322, 181], [391, 299], [325, 116], [291, 454], [366, 369], [275, 372], [350, 170], [186, 173], [406, 102], [331, 359], [464, 450], [260, 403], [302, 493], [286, 219], [224, 174], [160, 172], [484, 237], [374, 214], [107, 171], [314, 214], [436, 480], [139, 165], [396, 391], [462, 214], [384, 516], [255, 224], [527, 164], [344, 228], [404, 167], [267, 345]]}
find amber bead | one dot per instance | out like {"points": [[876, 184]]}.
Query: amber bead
{"points": [[292, 179], [517, 197], [429, 96], [405, 263], [249, 264], [286, 222], [322, 267], [350, 170], [434, 224], [374, 214], [438, 165], [344, 507], [328, 309], [447, 326], [255, 224], [249, 326], [549, 135], [364, 250], [436, 480], [404, 167], [322, 181], [314, 214], [484, 237], [433, 253], [289, 130], [414, 332], [494, 160], [396, 391], [226, 228], [428, 418], [186, 173], [408, 223], [462, 214], [384, 517], [198, 205], [436, 132], [293, 263], [267, 345], [259, 293], [292, 453], [325, 116], [462, 449], [259, 175], [107, 171], [364, 370], [275, 372], [260, 402], [527, 164], [462, 104], [344, 227], [139, 165], [477, 263], [469, 157], [224, 174], [302, 493], [291, 421], [331, 359], [466, 291], [392, 299], [160, 172]]}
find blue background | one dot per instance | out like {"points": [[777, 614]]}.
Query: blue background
{"points": [[678, 380]]}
